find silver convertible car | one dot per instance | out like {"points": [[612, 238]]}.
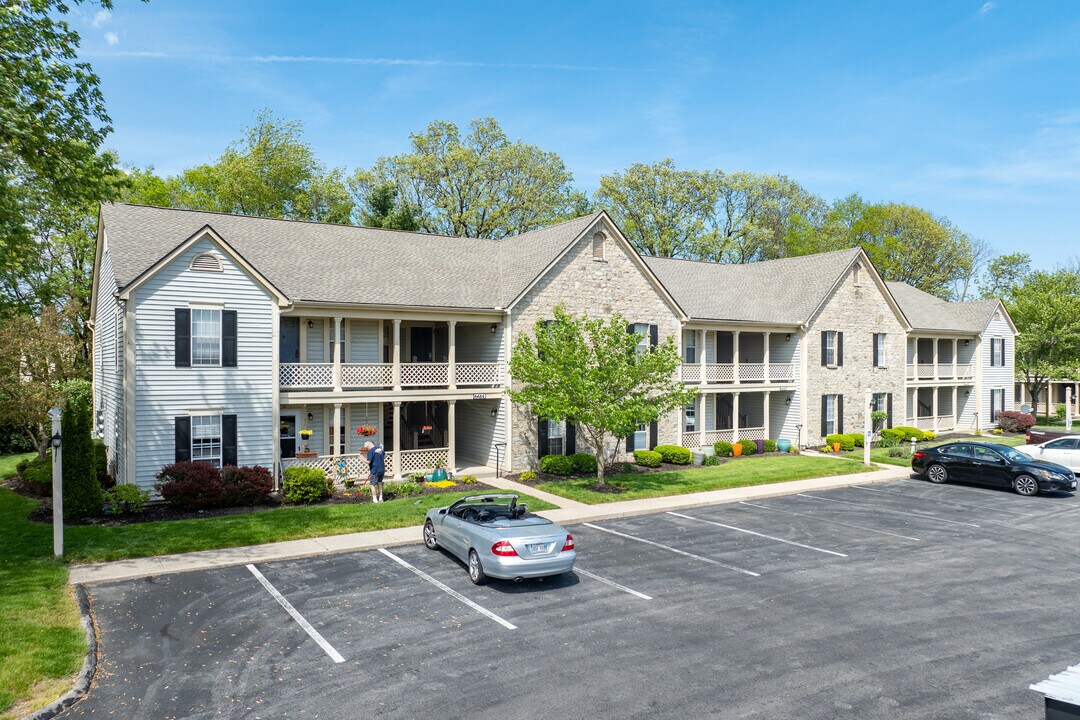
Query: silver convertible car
{"points": [[499, 538]]}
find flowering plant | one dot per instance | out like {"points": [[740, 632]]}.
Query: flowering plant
{"points": [[425, 428], [367, 430], [306, 433]]}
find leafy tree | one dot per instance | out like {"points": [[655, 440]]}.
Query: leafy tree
{"points": [[385, 211], [271, 172], [480, 185], [1003, 274], [1046, 309], [38, 355], [587, 369], [979, 256]]}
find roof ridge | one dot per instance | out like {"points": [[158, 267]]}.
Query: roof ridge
{"points": [[649, 258]]}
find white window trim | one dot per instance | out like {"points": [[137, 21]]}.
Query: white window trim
{"points": [[830, 414], [192, 414], [690, 345], [830, 348], [880, 337], [191, 336]]}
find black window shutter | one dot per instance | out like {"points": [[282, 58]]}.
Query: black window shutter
{"points": [[654, 335], [228, 338], [839, 413], [824, 347], [993, 352], [839, 349], [182, 338], [889, 410], [541, 437], [182, 432], [228, 440], [653, 435], [571, 437], [630, 443], [824, 415], [877, 357]]}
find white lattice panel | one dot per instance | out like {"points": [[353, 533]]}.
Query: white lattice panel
{"points": [[965, 371], [752, 371], [479, 373], [715, 436], [926, 370], [752, 433], [944, 371], [924, 423], [691, 373], [911, 372], [425, 374], [355, 465], [719, 372], [306, 375], [945, 422], [781, 372], [422, 460], [367, 374]]}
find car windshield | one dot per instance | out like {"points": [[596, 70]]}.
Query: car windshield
{"points": [[1012, 455]]}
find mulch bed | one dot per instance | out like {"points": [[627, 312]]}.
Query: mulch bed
{"points": [[160, 510]]}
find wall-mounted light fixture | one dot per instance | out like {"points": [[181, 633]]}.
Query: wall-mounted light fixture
{"points": [[787, 337], [967, 342], [967, 393], [310, 417], [787, 401], [494, 327], [494, 412], [311, 323]]}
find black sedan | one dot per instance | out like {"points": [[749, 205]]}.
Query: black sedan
{"points": [[992, 464]]}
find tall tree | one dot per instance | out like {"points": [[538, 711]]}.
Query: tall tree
{"points": [[383, 209], [980, 253], [271, 172], [478, 185], [588, 370], [1003, 274]]}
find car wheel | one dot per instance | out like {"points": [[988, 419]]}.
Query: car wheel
{"points": [[937, 474], [429, 536], [1026, 485], [476, 570]]}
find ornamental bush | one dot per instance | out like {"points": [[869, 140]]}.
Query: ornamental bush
{"points": [[245, 485], [466, 480], [304, 485], [904, 433], [1014, 422], [770, 446], [584, 463], [647, 458], [711, 460], [674, 454], [847, 442], [723, 449], [887, 441], [406, 489], [749, 447], [527, 476], [37, 472], [557, 465], [191, 485], [126, 499], [82, 491]]}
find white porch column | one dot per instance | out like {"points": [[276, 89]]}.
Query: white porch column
{"points": [[337, 355], [734, 417], [451, 424], [935, 362], [955, 414], [765, 406], [934, 400], [768, 375], [452, 358], [397, 360], [955, 349], [735, 356], [397, 433], [701, 355], [337, 430]]}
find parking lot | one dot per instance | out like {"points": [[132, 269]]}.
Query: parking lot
{"points": [[897, 600]]}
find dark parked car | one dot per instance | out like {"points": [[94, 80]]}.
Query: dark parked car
{"points": [[992, 464], [1034, 437]]}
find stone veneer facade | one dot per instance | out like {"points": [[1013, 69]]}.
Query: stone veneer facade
{"points": [[599, 288], [857, 308]]}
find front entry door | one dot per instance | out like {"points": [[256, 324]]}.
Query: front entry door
{"points": [[420, 338], [289, 350], [288, 436]]}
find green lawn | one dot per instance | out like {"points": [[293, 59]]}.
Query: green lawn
{"points": [[881, 455], [8, 463], [737, 472]]}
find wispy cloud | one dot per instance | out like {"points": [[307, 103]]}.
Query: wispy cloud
{"points": [[987, 7], [112, 38], [100, 18]]}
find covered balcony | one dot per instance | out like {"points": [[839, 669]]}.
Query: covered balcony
{"points": [[933, 359], [745, 415], [940, 409], [739, 357]]}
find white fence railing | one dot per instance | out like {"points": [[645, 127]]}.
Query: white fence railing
{"points": [[781, 372], [422, 460], [922, 423], [925, 371], [708, 437], [751, 433], [425, 373], [719, 372], [306, 375], [752, 372], [691, 373], [479, 373], [356, 465], [965, 371], [748, 372], [367, 374], [945, 371], [946, 422]]}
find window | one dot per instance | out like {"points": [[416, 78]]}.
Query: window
{"points": [[555, 444], [1018, 394], [598, 246], [997, 352], [690, 424], [879, 402], [205, 337], [879, 349], [1063, 444], [961, 450], [341, 434], [642, 331], [689, 346], [857, 273], [984, 454], [641, 437], [206, 439], [829, 423], [829, 349], [997, 403]]}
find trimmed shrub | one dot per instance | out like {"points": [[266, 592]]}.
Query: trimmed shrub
{"points": [[37, 472], [847, 442], [929, 435], [82, 491], [557, 465], [749, 447], [126, 499], [647, 458], [711, 460], [858, 439], [191, 485], [997, 431], [245, 485], [674, 454], [467, 480], [404, 489], [304, 485], [584, 463], [1014, 422], [527, 476], [1059, 411], [770, 446], [723, 449]]}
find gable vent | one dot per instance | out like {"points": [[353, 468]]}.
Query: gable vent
{"points": [[207, 262], [598, 246]]}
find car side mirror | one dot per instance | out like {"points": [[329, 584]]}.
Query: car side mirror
{"points": [[1002, 461], [443, 511]]}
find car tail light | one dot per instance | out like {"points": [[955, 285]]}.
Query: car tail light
{"points": [[503, 548], [569, 544], [918, 455]]}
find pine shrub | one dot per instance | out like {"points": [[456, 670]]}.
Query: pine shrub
{"points": [[82, 491]]}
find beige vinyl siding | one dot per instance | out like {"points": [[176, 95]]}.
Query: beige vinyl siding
{"points": [[165, 391], [364, 341], [109, 366], [476, 343], [315, 345]]}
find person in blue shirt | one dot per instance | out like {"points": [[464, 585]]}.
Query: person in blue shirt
{"points": [[377, 468]]}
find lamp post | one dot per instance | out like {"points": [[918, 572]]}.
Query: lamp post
{"points": [[498, 453], [57, 484]]}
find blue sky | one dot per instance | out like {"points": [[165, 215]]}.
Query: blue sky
{"points": [[968, 109]]}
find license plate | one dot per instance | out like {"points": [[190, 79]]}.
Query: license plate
{"points": [[541, 547]]}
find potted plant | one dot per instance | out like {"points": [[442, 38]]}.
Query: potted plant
{"points": [[439, 473], [284, 427], [783, 445], [836, 447], [367, 430]]}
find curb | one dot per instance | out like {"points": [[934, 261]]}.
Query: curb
{"points": [[86, 674]]}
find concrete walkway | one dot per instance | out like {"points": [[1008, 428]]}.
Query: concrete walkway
{"points": [[570, 512]]}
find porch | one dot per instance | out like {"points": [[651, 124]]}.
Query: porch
{"points": [[737, 356], [941, 359], [942, 409], [728, 417]]}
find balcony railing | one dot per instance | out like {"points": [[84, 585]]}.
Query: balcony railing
{"points": [[356, 466], [306, 376], [748, 372], [941, 371], [426, 374], [946, 422], [922, 423], [709, 437], [373, 375], [476, 373]]}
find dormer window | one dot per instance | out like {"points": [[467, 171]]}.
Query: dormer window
{"points": [[206, 262], [598, 247]]}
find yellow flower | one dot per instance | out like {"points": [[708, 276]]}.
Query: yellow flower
{"points": [[442, 484]]}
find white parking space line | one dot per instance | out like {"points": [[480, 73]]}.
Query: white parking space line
{"points": [[943, 500], [886, 510], [674, 550], [832, 522], [612, 583], [327, 647], [760, 535], [448, 590], [992, 493]]}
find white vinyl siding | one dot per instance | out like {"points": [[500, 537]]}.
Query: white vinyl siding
{"points": [[476, 343], [164, 394], [996, 376], [358, 414], [109, 365], [314, 347], [477, 432], [363, 341]]}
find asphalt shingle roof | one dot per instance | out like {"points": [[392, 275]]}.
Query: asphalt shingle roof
{"points": [[343, 264], [928, 312], [786, 291]]}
